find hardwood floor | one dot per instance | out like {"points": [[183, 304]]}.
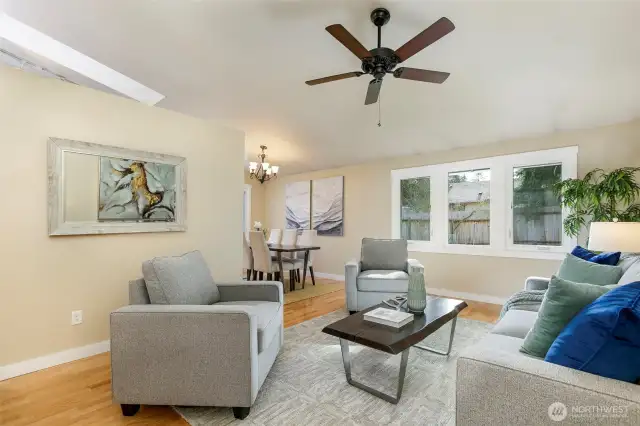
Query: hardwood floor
{"points": [[79, 393]]}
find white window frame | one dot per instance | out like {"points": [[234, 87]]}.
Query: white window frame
{"points": [[501, 243]]}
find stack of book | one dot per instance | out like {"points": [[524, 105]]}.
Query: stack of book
{"points": [[389, 317]]}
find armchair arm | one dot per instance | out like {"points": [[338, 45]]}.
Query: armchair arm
{"points": [[269, 291], [489, 380], [351, 272], [413, 266], [184, 355], [536, 283]]}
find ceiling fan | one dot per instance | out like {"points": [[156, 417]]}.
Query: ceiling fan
{"points": [[381, 61]]}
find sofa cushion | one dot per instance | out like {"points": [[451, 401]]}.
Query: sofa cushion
{"points": [[608, 258], [515, 323], [627, 260], [384, 254], [383, 281], [500, 342], [604, 338], [269, 319], [582, 271], [631, 275], [562, 301], [180, 280]]}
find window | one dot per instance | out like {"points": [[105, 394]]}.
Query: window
{"points": [[415, 209], [497, 206], [469, 207], [537, 212]]}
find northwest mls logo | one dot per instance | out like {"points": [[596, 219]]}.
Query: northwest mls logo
{"points": [[557, 411]]}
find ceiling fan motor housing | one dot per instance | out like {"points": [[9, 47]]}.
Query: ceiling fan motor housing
{"points": [[383, 61]]}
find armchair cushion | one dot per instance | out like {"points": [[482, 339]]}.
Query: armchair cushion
{"points": [[384, 254], [383, 281], [180, 280], [269, 318]]}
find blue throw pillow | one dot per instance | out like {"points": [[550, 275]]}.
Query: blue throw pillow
{"points": [[604, 338], [610, 258]]}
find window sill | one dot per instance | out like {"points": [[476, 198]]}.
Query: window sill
{"points": [[486, 251]]}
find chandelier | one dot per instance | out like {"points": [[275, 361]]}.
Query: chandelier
{"points": [[262, 171]]}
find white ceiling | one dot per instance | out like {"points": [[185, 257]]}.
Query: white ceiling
{"points": [[518, 68]]}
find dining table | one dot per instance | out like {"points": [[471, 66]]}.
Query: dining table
{"points": [[280, 248]]}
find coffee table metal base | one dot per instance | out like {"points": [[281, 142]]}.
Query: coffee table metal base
{"points": [[346, 360], [439, 352]]}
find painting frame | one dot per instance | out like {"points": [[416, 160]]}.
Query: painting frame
{"points": [[58, 225], [327, 206]]}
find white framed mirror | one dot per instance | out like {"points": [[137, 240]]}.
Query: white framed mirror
{"points": [[101, 189]]}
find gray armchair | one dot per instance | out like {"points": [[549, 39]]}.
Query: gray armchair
{"points": [[382, 273], [216, 354]]}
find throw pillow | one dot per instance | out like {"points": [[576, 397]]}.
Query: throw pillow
{"points": [[562, 301], [180, 280], [604, 338], [609, 258], [581, 271]]}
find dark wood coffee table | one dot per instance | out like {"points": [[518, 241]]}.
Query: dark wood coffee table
{"points": [[354, 328]]}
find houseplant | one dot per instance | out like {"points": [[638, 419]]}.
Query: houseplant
{"points": [[600, 197]]}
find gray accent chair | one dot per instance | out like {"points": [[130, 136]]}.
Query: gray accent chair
{"points": [[216, 354], [381, 273], [499, 385]]}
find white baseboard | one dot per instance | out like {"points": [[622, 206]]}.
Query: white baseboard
{"points": [[46, 361], [467, 296], [329, 276]]}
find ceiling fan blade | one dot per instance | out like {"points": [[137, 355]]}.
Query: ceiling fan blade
{"points": [[373, 92], [418, 74], [334, 78], [435, 32], [349, 41]]}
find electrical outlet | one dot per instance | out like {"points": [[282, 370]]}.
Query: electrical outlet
{"points": [[76, 317]]}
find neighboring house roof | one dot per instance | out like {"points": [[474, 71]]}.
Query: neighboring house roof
{"points": [[469, 192]]}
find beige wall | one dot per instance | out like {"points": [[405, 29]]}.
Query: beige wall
{"points": [[42, 278], [367, 208], [257, 200]]}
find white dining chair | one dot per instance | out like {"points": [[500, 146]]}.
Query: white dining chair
{"points": [[247, 257], [290, 238], [262, 262], [275, 236], [308, 238]]}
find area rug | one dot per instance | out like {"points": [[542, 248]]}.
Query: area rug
{"points": [[311, 290], [307, 386]]}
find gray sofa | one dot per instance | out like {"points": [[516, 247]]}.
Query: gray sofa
{"points": [[497, 384], [196, 354], [381, 273]]}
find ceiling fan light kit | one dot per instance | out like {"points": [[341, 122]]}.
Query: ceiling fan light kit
{"points": [[380, 61]]}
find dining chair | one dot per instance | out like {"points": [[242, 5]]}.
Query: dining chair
{"points": [[290, 238], [247, 256], [275, 236], [308, 238], [262, 262]]}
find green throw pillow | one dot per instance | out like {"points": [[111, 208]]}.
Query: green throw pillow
{"points": [[562, 301], [581, 271]]}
